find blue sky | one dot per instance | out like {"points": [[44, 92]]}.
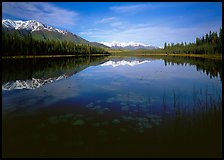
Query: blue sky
{"points": [[152, 23]]}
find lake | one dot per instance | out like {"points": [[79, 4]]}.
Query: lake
{"points": [[112, 107]]}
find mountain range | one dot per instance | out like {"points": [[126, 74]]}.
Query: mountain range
{"points": [[41, 31], [128, 45]]}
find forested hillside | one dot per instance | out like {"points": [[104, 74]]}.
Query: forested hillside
{"points": [[16, 45]]}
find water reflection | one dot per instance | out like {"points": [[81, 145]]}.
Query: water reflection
{"points": [[211, 67], [117, 63], [33, 73], [116, 107]]}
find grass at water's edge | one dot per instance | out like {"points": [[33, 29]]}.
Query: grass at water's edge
{"points": [[122, 54], [126, 53]]}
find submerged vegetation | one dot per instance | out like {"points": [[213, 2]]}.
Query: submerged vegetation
{"points": [[131, 132]]}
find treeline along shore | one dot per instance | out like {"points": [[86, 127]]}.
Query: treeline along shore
{"points": [[208, 46], [15, 45]]}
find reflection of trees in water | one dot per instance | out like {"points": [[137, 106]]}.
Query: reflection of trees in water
{"points": [[42, 68], [211, 67]]}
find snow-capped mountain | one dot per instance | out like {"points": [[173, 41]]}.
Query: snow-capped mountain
{"points": [[128, 45], [30, 25], [42, 32]]}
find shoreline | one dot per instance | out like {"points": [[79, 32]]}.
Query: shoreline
{"points": [[216, 57], [51, 56], [121, 54]]}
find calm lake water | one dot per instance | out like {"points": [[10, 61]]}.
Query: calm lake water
{"points": [[112, 107]]}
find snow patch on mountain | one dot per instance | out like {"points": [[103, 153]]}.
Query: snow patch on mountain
{"points": [[128, 45], [31, 25], [123, 44]]}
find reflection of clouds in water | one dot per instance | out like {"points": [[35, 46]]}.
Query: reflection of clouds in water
{"points": [[107, 87], [60, 91], [135, 98], [86, 75], [111, 85]]}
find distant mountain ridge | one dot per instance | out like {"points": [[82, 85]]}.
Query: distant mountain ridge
{"points": [[43, 32], [128, 45], [30, 25]]}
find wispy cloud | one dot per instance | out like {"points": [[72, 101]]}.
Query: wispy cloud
{"points": [[114, 22], [117, 24], [107, 20], [40, 11], [130, 8]]}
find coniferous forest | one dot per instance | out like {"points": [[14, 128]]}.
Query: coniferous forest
{"points": [[16, 45], [209, 44]]}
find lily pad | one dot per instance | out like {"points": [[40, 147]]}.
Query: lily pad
{"points": [[96, 107], [140, 130], [79, 140], [53, 120], [115, 121], [105, 123], [70, 115], [123, 130], [42, 125], [127, 118], [106, 109], [97, 124], [89, 118], [124, 108], [79, 122], [78, 115], [102, 133], [100, 112], [89, 105]]}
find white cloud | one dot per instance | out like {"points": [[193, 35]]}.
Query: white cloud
{"points": [[107, 20], [117, 24], [130, 8], [41, 11]]}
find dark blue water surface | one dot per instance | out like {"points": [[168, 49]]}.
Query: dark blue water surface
{"points": [[114, 107]]}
